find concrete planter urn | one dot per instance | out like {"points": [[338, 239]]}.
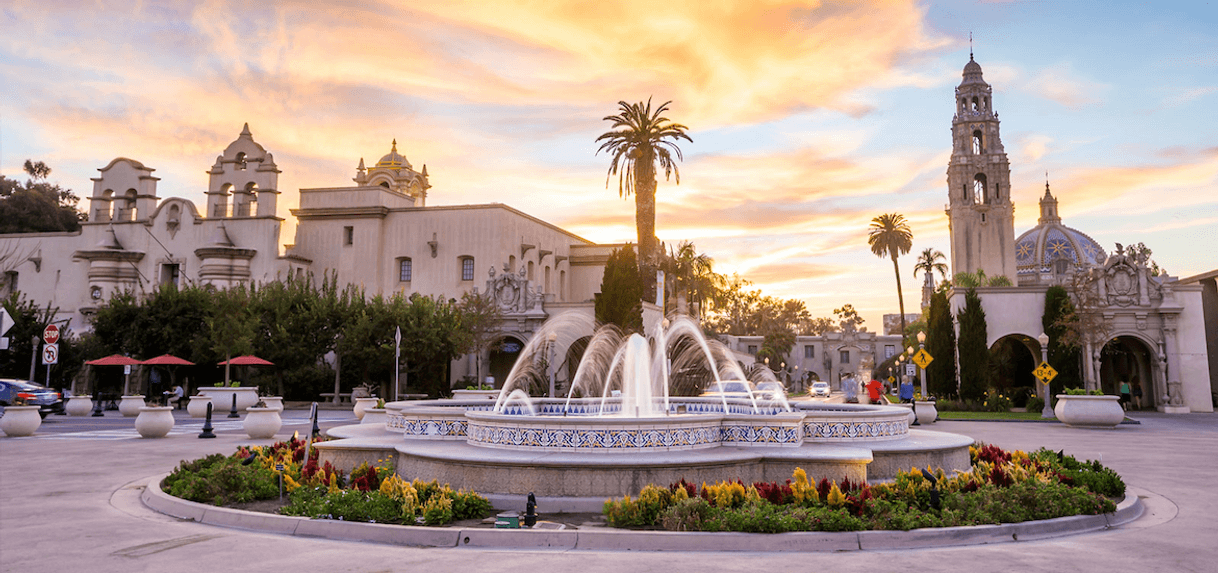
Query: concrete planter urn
{"points": [[79, 405], [197, 407], [154, 421], [261, 423], [130, 406], [476, 394], [361, 405], [1089, 411], [20, 421], [374, 416], [222, 397], [912, 416], [926, 411], [273, 402]]}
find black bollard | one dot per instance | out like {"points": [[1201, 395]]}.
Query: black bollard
{"points": [[97, 407], [316, 430], [934, 489], [207, 433], [530, 511], [233, 412]]}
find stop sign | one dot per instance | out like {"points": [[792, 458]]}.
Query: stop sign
{"points": [[51, 334]]}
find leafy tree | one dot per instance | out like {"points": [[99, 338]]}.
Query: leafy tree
{"points": [[1063, 357], [25, 342], [480, 317], [37, 206], [1141, 253], [889, 236], [293, 332], [693, 274], [642, 138], [620, 299], [974, 352], [846, 315], [978, 279], [941, 344], [231, 327], [114, 323], [434, 332], [817, 326]]}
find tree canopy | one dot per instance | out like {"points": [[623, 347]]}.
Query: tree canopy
{"points": [[37, 206]]}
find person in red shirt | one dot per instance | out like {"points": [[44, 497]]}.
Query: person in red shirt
{"points": [[873, 391]]}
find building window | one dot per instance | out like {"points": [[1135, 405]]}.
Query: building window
{"points": [[348, 236], [809, 351], [890, 350], [980, 195], [752, 349], [547, 282], [10, 282], [844, 357], [467, 268], [530, 271], [404, 270], [977, 142], [170, 274], [562, 285]]}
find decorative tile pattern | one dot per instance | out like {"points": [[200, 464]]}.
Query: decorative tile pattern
{"points": [[844, 430], [761, 434], [514, 436], [430, 427]]}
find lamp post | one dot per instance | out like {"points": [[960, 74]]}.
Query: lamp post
{"points": [[1047, 410], [922, 346], [956, 350]]}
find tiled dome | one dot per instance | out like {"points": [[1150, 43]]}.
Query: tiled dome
{"points": [[1050, 240]]}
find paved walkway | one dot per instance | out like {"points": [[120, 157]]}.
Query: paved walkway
{"points": [[71, 505]]}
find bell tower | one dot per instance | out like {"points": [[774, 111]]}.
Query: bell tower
{"points": [[981, 217]]}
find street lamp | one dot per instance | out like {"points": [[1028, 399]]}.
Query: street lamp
{"points": [[1043, 339], [922, 346]]}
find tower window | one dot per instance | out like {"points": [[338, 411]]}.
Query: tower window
{"points": [[170, 274], [405, 269], [977, 142], [980, 194], [467, 268], [974, 104], [348, 236]]}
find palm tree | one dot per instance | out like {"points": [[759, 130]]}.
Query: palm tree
{"points": [[645, 137], [930, 261], [693, 273], [890, 236]]}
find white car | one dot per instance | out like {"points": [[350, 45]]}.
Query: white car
{"points": [[820, 389]]}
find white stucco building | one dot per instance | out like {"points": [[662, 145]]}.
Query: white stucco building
{"points": [[1148, 330]]}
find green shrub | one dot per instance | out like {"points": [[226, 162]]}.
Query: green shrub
{"points": [[344, 505], [222, 481], [685, 515], [1035, 404], [438, 510], [996, 401], [469, 505]]}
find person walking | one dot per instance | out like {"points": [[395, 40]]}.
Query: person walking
{"points": [[907, 390], [1137, 396], [1125, 397]]}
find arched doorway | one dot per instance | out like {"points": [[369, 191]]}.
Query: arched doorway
{"points": [[1128, 359], [1012, 360], [503, 355], [570, 365]]}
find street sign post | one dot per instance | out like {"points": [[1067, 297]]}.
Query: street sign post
{"points": [[1045, 373], [50, 354], [50, 335], [922, 358]]}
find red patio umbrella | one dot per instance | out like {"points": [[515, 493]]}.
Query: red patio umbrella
{"points": [[168, 360], [248, 360], [116, 360]]}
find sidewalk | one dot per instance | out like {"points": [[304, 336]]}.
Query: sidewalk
{"points": [[72, 504]]}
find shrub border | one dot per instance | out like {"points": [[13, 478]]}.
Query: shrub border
{"points": [[1129, 509]]}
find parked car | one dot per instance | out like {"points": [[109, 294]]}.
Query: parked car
{"points": [[33, 394], [820, 389], [730, 388], [770, 389]]}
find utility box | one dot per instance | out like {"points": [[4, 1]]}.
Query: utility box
{"points": [[507, 520]]}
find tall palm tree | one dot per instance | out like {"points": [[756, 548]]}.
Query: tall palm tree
{"points": [[930, 261], [889, 236], [641, 138], [693, 273]]}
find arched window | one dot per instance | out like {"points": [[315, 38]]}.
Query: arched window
{"points": [[562, 285], [547, 282], [986, 102], [241, 161], [977, 144], [530, 270], [129, 205], [1061, 266], [511, 263], [405, 269], [974, 104], [249, 204], [980, 193]]}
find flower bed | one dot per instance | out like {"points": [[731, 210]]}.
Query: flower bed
{"points": [[371, 494], [1003, 487]]}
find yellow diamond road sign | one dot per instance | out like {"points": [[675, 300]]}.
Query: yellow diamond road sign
{"points": [[892, 379], [1045, 372], [922, 358]]}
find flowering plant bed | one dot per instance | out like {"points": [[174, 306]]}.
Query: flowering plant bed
{"points": [[1003, 487], [372, 494]]}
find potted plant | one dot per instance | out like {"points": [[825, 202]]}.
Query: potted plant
{"points": [[1080, 408], [197, 407], [154, 421], [261, 422], [20, 420], [375, 414], [79, 405], [363, 398], [130, 406]]}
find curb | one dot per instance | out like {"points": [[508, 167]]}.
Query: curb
{"points": [[601, 539]]}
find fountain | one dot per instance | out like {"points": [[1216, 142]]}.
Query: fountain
{"points": [[619, 427]]}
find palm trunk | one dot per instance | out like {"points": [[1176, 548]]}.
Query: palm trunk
{"points": [[900, 296], [645, 209]]}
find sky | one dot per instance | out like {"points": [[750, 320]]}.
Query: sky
{"points": [[808, 119]]}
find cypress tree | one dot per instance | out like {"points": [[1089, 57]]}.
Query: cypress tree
{"points": [[620, 299], [941, 344], [974, 353], [1063, 358]]}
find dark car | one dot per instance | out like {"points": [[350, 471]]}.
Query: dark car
{"points": [[32, 394]]}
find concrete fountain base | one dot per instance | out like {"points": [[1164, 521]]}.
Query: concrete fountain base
{"points": [[598, 475]]}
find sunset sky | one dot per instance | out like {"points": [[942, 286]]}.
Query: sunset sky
{"points": [[807, 118]]}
